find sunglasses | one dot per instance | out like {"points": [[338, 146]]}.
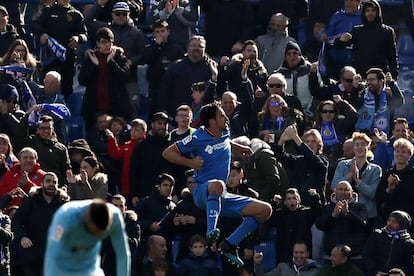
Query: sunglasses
{"points": [[121, 13], [273, 104], [348, 80], [274, 85], [325, 111]]}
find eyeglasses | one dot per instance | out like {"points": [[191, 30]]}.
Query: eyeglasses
{"points": [[328, 111], [348, 80], [121, 13], [11, 101], [273, 104], [274, 85]]}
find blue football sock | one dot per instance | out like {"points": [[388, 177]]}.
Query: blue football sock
{"points": [[213, 211], [248, 225]]}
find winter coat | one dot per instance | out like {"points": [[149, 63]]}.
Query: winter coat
{"points": [[198, 266], [95, 187]]}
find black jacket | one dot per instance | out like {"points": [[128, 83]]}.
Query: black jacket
{"points": [[32, 220]]}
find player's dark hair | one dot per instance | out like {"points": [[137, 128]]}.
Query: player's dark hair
{"points": [[99, 214], [208, 112]]}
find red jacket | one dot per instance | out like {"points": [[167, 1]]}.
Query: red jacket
{"points": [[123, 153], [12, 177]]}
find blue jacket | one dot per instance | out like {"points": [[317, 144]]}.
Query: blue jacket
{"points": [[384, 155], [370, 179]]}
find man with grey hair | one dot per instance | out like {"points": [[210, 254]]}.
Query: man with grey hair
{"points": [[272, 45]]}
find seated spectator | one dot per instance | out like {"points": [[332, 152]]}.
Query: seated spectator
{"points": [[395, 191], [198, 261], [300, 264], [237, 112], [124, 152], [90, 183], [340, 263], [24, 174], [390, 246], [334, 128], [363, 176]]}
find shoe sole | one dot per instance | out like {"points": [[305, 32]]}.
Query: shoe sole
{"points": [[212, 237], [230, 258]]}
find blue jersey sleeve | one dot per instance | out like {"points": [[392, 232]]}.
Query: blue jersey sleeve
{"points": [[187, 144], [120, 244]]}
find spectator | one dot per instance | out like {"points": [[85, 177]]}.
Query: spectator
{"points": [[396, 272], [198, 262], [90, 183], [7, 157], [24, 174], [53, 155], [228, 25], [308, 168], [124, 152], [32, 220], [8, 31], [340, 263], [373, 43], [390, 246], [158, 55], [104, 73], [237, 112], [344, 222], [341, 22], [53, 23], [119, 128], [176, 83], [273, 44], [312, 46], [6, 237], [381, 98], [395, 189], [293, 223], [384, 151], [202, 93], [181, 17], [300, 264], [78, 149], [18, 51], [146, 160], [9, 110], [277, 84], [363, 176]]}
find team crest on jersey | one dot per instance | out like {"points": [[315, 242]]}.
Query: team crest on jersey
{"points": [[187, 140], [58, 233]]}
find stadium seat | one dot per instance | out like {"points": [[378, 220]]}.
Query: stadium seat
{"points": [[269, 254], [75, 127], [405, 46], [74, 103]]}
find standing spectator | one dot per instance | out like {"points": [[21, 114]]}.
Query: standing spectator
{"points": [[312, 46], [363, 176], [124, 152], [198, 262], [344, 222], [7, 157], [228, 25], [341, 264], [129, 38], [390, 246], [66, 25], [53, 155], [381, 98], [384, 151], [24, 174], [176, 83], [18, 51], [90, 183], [32, 220], [9, 110], [181, 17], [273, 44], [341, 22], [158, 55], [8, 32], [104, 73], [146, 160], [373, 43], [78, 149], [395, 191]]}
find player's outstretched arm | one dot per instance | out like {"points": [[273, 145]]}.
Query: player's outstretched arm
{"points": [[173, 155]]}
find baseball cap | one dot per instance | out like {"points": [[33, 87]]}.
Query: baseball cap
{"points": [[120, 6], [159, 116]]}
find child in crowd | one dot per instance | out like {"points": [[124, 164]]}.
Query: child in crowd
{"points": [[124, 152], [198, 262], [197, 93], [160, 268]]}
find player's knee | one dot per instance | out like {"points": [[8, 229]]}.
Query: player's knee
{"points": [[266, 211], [216, 187]]}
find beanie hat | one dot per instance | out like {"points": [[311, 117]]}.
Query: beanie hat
{"points": [[403, 218], [292, 46]]}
